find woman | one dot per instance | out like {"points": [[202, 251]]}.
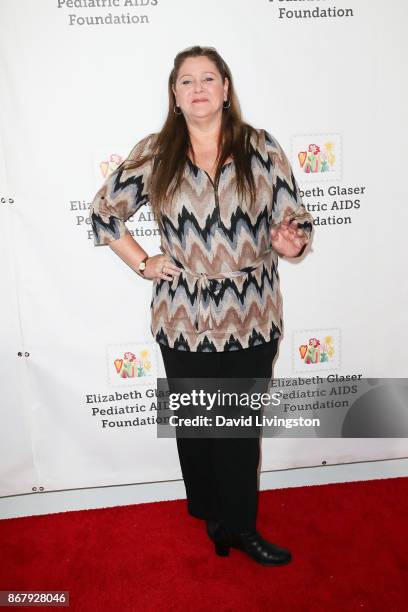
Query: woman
{"points": [[227, 204]]}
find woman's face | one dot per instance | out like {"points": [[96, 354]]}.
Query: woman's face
{"points": [[199, 90]]}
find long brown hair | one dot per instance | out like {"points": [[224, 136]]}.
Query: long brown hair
{"points": [[170, 147]]}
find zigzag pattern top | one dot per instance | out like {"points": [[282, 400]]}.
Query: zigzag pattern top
{"points": [[227, 295]]}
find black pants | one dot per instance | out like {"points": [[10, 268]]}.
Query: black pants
{"points": [[221, 474]]}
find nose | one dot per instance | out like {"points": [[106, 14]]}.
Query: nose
{"points": [[198, 86]]}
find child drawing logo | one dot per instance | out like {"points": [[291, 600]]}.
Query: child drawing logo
{"points": [[133, 367], [316, 351], [317, 159], [109, 166]]}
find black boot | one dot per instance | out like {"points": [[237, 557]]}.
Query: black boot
{"points": [[212, 529], [253, 544]]}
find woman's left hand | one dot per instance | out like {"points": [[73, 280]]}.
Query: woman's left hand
{"points": [[287, 239]]}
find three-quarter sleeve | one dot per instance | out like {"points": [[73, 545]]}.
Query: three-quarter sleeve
{"points": [[121, 195], [287, 201]]}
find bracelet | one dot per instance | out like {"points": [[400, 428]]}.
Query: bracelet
{"points": [[142, 265]]}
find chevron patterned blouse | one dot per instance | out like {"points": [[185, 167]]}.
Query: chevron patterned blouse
{"points": [[227, 295]]}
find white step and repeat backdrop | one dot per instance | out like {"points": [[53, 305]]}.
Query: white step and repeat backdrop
{"points": [[81, 82]]}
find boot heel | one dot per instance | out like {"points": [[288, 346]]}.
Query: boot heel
{"points": [[222, 549]]}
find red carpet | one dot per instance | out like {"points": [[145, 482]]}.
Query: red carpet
{"points": [[349, 546]]}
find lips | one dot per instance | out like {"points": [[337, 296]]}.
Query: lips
{"points": [[200, 100]]}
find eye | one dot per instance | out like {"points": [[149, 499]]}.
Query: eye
{"points": [[183, 82], [209, 79]]}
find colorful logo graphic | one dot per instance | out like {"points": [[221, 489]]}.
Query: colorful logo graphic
{"points": [[316, 351], [132, 366], [317, 159], [109, 166]]}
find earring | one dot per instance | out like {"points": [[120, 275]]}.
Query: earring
{"points": [[174, 109], [229, 104]]}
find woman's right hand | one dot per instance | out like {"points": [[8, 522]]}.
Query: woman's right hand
{"points": [[160, 266]]}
